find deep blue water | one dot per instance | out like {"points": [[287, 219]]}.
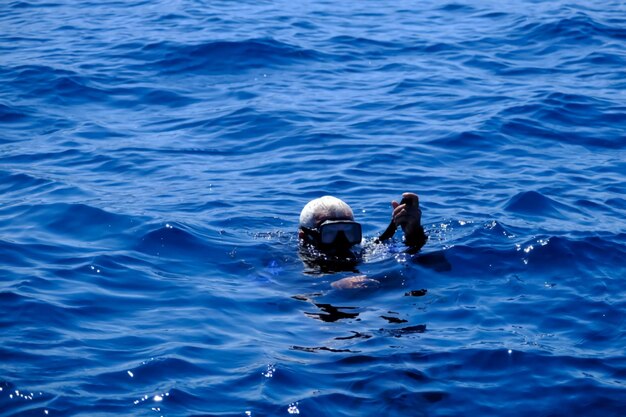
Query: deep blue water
{"points": [[155, 156]]}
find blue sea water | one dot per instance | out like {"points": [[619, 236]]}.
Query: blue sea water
{"points": [[155, 156]]}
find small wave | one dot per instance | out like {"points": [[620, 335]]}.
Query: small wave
{"points": [[20, 183], [223, 56], [348, 48], [354, 47], [457, 8], [469, 140], [600, 59], [533, 203], [66, 87], [32, 5], [579, 29], [31, 310], [594, 117], [619, 203], [160, 369], [575, 103], [532, 128], [492, 233], [77, 221], [172, 241], [57, 86], [12, 114], [588, 254], [494, 259], [27, 157]]}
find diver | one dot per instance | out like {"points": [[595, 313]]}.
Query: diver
{"points": [[329, 236]]}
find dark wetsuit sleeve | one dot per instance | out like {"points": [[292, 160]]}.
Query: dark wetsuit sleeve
{"points": [[416, 241]]}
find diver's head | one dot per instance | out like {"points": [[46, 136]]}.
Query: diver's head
{"points": [[327, 223]]}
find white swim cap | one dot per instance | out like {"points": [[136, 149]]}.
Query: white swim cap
{"points": [[324, 208]]}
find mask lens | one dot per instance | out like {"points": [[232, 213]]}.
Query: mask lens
{"points": [[330, 231]]}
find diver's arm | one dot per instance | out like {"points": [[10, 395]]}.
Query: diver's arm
{"points": [[355, 282], [408, 216]]}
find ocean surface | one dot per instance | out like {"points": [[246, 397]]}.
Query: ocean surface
{"points": [[155, 156]]}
